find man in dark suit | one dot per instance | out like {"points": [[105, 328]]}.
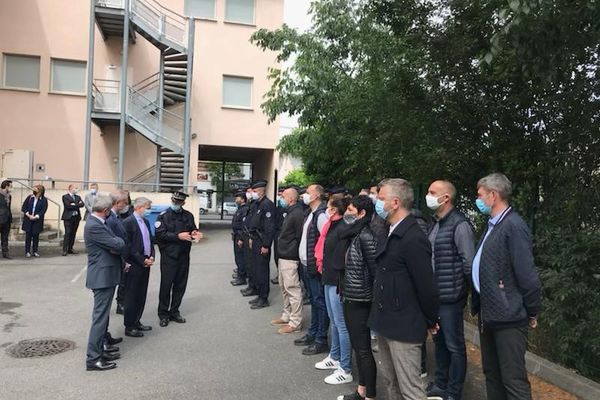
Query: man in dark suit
{"points": [[405, 297], [5, 215], [140, 257], [71, 217], [115, 223], [103, 273]]}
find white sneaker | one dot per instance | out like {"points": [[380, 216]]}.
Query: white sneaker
{"points": [[327, 363], [338, 377], [27, 255], [434, 398]]}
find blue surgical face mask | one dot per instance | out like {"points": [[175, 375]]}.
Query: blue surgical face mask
{"points": [[483, 208], [282, 203], [176, 207], [147, 212], [379, 209]]}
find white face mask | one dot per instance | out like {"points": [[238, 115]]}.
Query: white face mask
{"points": [[432, 202], [373, 197], [306, 198], [255, 196]]}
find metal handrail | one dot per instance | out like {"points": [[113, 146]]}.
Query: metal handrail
{"points": [[165, 111], [142, 84], [58, 206], [100, 87], [162, 19], [110, 3], [88, 182]]}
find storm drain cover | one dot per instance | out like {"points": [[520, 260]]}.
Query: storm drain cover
{"points": [[39, 347]]}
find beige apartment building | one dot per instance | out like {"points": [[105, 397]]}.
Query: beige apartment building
{"points": [[182, 93]]}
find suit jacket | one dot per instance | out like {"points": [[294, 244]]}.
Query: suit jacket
{"points": [[5, 213], [405, 296], [103, 249], [41, 206], [71, 206], [89, 203], [135, 253]]}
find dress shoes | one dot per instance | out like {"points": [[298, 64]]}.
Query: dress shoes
{"points": [[107, 348], [279, 321], [120, 309], [287, 329], [110, 356], [315, 348], [238, 282], [261, 303], [163, 322], [254, 300], [177, 318], [73, 252], [305, 340], [100, 366], [248, 292], [143, 328], [113, 340], [133, 332], [64, 253]]}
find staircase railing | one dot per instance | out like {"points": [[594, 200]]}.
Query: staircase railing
{"points": [[146, 176], [147, 112], [106, 95], [110, 3], [161, 20]]}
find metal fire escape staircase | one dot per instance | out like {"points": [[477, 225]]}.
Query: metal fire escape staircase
{"points": [[157, 106]]}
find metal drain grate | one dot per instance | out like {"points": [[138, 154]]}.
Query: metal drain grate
{"points": [[39, 347]]}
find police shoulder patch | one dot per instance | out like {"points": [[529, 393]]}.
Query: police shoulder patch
{"points": [[157, 224], [268, 214], [163, 212]]}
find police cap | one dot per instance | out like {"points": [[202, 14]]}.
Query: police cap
{"points": [[261, 183], [179, 195]]}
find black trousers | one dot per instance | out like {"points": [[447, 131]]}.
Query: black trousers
{"points": [[29, 238], [135, 296], [249, 259], [240, 260], [71, 226], [121, 289], [261, 270], [173, 282], [503, 359], [356, 315], [4, 231]]}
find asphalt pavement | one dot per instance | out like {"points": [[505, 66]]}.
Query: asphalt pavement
{"points": [[224, 351]]}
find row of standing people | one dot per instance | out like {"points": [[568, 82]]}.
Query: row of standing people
{"points": [[119, 247], [368, 267]]}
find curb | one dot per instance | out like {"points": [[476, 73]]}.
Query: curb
{"points": [[568, 380]]}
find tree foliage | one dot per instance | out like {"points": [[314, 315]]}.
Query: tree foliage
{"points": [[458, 89], [297, 177]]}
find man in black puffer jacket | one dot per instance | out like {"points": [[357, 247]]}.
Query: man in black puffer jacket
{"points": [[289, 279], [507, 293], [451, 237]]}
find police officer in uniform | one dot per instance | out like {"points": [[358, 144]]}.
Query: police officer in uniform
{"points": [[250, 290], [237, 225], [175, 231], [262, 233]]}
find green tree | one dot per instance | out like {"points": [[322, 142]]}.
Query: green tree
{"points": [[459, 89], [297, 177]]}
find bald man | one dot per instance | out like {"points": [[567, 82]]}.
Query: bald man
{"points": [[289, 280], [453, 249]]}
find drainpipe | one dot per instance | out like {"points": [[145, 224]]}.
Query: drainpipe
{"points": [[89, 103], [187, 123], [123, 95]]}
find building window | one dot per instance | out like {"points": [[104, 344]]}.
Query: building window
{"points": [[241, 11], [237, 92], [68, 76], [21, 72], [200, 8]]}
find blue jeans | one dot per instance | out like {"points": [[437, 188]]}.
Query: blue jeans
{"points": [[450, 351], [341, 350], [319, 321]]}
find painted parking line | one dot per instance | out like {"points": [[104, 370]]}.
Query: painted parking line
{"points": [[79, 274]]}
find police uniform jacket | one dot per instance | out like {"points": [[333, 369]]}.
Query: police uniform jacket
{"points": [[168, 225], [237, 222], [262, 222]]}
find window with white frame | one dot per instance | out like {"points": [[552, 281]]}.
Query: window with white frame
{"points": [[239, 11], [67, 76], [237, 92], [200, 8], [21, 72]]}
